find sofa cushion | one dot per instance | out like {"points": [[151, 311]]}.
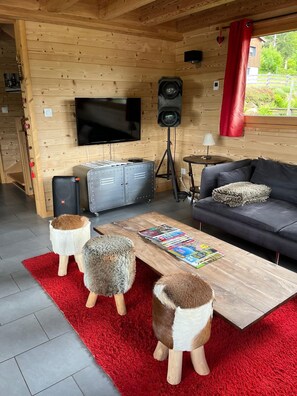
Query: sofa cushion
{"points": [[237, 175], [209, 175], [282, 178], [289, 232], [258, 215]]}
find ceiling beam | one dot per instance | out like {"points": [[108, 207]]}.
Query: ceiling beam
{"points": [[115, 8], [161, 32], [234, 11], [59, 5], [168, 10]]}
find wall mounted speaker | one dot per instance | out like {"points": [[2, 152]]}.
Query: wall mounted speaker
{"points": [[193, 56], [66, 195], [169, 101]]}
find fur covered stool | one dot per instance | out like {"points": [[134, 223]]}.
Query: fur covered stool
{"points": [[182, 314], [68, 234], [109, 268]]}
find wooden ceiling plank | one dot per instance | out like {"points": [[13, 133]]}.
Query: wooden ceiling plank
{"points": [[283, 24], [3, 20], [168, 10], [13, 14], [27, 4], [234, 11], [115, 8], [58, 5]]}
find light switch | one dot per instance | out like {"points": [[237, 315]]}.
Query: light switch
{"points": [[4, 109], [48, 112]]}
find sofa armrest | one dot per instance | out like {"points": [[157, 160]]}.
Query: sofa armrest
{"points": [[209, 175]]}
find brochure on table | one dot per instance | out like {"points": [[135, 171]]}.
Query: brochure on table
{"points": [[181, 245]]}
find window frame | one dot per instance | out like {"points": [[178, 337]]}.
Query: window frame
{"points": [[265, 28], [253, 53]]}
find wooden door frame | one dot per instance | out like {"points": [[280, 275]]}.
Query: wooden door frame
{"points": [[30, 119]]}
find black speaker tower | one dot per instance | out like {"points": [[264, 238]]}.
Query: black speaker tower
{"points": [[66, 198], [169, 115], [169, 101]]}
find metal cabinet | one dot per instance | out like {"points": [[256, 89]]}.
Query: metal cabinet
{"points": [[110, 184]]}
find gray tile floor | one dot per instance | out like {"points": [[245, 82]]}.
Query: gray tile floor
{"points": [[40, 354]]}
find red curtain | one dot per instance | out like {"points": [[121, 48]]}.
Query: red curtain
{"points": [[232, 117]]}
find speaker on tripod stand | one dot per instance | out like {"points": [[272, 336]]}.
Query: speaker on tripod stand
{"points": [[169, 115]]}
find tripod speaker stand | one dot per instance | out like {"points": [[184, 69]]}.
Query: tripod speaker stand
{"points": [[170, 174]]}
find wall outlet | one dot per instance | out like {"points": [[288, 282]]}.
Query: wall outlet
{"points": [[216, 85], [183, 171]]}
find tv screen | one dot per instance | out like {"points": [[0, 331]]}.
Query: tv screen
{"points": [[107, 120]]}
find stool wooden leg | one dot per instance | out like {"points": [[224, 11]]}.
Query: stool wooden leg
{"points": [[63, 263], [161, 352], [120, 304], [79, 261], [199, 361], [91, 301], [174, 371]]}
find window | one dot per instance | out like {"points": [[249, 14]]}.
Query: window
{"points": [[271, 88], [253, 51]]}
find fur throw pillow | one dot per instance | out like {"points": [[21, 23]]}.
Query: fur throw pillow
{"points": [[241, 193]]}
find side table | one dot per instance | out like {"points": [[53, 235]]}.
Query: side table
{"points": [[202, 160]]}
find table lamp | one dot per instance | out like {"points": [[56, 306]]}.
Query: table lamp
{"points": [[208, 141]]}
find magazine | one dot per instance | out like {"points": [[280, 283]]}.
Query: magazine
{"points": [[181, 245]]}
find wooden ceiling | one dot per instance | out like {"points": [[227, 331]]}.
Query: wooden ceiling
{"points": [[168, 19]]}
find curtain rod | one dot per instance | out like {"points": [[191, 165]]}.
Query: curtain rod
{"points": [[264, 19]]}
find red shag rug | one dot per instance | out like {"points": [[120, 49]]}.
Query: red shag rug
{"points": [[258, 361]]}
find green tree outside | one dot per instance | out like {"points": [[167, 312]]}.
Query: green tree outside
{"points": [[278, 63]]}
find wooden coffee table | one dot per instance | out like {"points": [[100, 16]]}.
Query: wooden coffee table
{"points": [[247, 287]]}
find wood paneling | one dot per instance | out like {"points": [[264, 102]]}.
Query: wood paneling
{"points": [[82, 14], [254, 9], [115, 8], [161, 19], [8, 136], [155, 13], [73, 62], [268, 137], [66, 62]]}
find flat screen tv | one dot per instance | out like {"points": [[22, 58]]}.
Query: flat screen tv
{"points": [[107, 120]]}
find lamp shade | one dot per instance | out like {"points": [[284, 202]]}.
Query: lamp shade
{"points": [[208, 140]]}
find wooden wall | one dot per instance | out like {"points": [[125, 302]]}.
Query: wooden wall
{"points": [[9, 147], [68, 62], [201, 110]]}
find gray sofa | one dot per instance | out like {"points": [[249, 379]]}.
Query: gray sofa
{"points": [[271, 224]]}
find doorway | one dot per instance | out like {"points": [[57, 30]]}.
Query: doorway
{"points": [[14, 159]]}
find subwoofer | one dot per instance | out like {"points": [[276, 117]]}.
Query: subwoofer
{"points": [[65, 195], [169, 101]]}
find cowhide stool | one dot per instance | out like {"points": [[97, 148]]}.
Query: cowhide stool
{"points": [[182, 314], [68, 234], [109, 269]]}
